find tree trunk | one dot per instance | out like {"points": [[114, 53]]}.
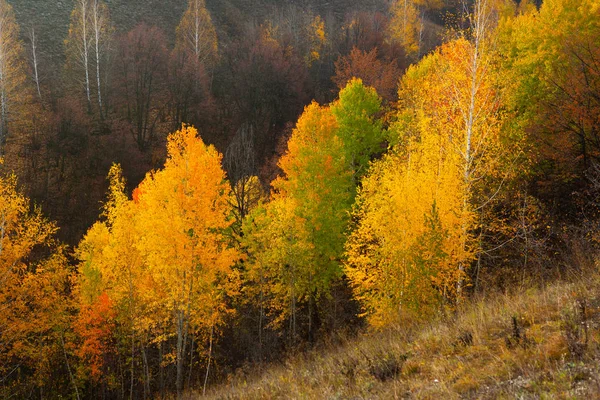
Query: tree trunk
{"points": [[132, 366], [189, 383], [84, 38], [210, 345], [161, 376], [36, 76], [97, 33], [180, 352], [62, 342]]}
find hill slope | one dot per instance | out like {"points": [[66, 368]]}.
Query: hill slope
{"points": [[540, 343], [51, 17]]}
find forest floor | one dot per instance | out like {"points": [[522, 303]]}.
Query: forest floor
{"points": [[536, 343]]}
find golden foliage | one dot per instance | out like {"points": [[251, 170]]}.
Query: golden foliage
{"points": [[183, 211], [416, 209], [164, 258], [33, 289]]}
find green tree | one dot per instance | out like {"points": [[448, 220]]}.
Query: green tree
{"points": [[358, 114]]}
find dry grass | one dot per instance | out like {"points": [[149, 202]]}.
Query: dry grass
{"points": [[527, 345]]}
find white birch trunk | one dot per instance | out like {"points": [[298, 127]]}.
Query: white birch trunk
{"points": [[85, 49], [3, 106], [35, 62], [98, 25], [480, 22]]}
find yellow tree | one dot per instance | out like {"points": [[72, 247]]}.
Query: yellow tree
{"points": [[408, 22], [112, 266], [34, 294], [296, 242], [412, 196], [444, 169], [475, 100], [277, 280], [317, 40], [551, 59], [404, 253], [183, 213], [318, 179]]}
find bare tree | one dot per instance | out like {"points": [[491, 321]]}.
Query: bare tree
{"points": [[35, 60], [196, 32], [143, 56], [78, 43], [101, 35], [240, 164]]}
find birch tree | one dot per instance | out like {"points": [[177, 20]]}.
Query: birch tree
{"points": [[196, 33], [101, 34], [450, 160], [477, 102], [192, 60], [78, 45], [35, 60]]}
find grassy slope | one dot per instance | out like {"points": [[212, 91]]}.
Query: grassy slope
{"points": [[475, 354]]}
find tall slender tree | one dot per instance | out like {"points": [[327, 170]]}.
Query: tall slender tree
{"points": [[475, 97], [449, 162], [78, 46], [196, 33], [34, 53], [101, 34], [34, 286], [142, 82]]}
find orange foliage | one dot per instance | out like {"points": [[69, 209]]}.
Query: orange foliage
{"points": [[381, 75], [95, 325]]}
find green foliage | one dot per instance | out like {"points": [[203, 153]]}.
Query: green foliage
{"points": [[296, 241], [358, 112]]}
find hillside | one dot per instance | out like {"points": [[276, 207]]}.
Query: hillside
{"points": [[537, 343], [299, 199], [51, 17]]}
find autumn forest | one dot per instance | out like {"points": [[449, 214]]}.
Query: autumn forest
{"points": [[192, 188]]}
